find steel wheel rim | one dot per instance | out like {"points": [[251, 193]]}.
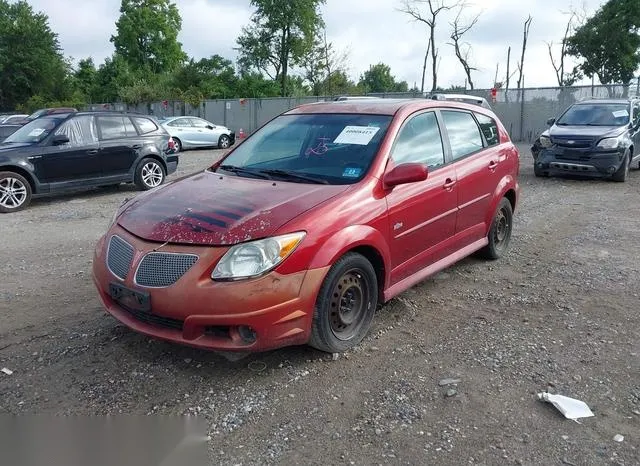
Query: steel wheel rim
{"points": [[348, 305], [502, 230], [152, 174], [224, 142], [13, 193]]}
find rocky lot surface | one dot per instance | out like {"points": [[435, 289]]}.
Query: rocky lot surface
{"points": [[560, 312]]}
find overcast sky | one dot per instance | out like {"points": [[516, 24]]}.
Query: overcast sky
{"points": [[371, 30]]}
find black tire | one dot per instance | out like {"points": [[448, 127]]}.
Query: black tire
{"points": [[178, 145], [623, 172], [345, 305], [15, 192], [224, 142], [500, 232], [149, 174]]}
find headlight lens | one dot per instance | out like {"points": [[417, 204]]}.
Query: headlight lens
{"points": [[609, 143], [255, 258], [545, 141]]}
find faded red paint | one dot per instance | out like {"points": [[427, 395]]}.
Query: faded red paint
{"points": [[443, 219]]}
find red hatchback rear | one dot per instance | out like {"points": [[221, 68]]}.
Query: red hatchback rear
{"points": [[301, 231]]}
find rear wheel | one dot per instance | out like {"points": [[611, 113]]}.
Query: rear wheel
{"points": [[15, 192], [345, 305], [500, 232], [224, 142], [178, 144], [621, 175], [149, 174]]}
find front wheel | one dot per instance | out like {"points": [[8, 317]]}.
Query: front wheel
{"points": [[15, 192], [224, 142], [500, 232], [149, 174], [623, 172], [345, 305]]}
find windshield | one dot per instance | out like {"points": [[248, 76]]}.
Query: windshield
{"points": [[326, 148], [602, 114], [34, 131]]}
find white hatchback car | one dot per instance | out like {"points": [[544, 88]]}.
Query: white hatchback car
{"points": [[191, 132]]}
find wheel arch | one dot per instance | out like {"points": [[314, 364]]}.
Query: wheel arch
{"points": [[22, 172]]}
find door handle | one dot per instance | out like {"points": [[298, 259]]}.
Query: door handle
{"points": [[92, 152], [136, 146], [493, 165], [449, 183]]}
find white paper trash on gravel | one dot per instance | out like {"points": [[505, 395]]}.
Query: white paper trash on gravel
{"points": [[569, 407], [4, 370]]}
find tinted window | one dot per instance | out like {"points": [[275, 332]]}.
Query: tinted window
{"points": [[336, 148], [35, 131], [636, 113], [11, 120], [180, 122], [464, 135], [596, 114], [81, 131], [489, 128], [145, 125], [419, 141], [114, 127]]}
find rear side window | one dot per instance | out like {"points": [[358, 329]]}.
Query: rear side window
{"points": [[489, 128], [464, 134], [181, 123], [115, 127], [419, 141], [145, 125]]}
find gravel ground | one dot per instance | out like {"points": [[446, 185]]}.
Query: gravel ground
{"points": [[559, 313]]}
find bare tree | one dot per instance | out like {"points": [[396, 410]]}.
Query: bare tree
{"points": [[435, 7], [527, 25], [566, 78], [424, 65], [463, 50]]}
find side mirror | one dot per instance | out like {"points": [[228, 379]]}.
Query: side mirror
{"points": [[405, 174], [210, 127], [551, 121], [60, 139]]}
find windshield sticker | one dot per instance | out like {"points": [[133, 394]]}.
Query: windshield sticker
{"points": [[36, 132], [351, 172], [319, 149], [358, 135], [621, 113]]}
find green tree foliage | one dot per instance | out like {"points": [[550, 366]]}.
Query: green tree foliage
{"points": [[213, 77], [281, 33], [114, 74], [378, 78], [147, 35], [31, 63], [609, 42]]}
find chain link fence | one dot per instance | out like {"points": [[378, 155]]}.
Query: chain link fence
{"points": [[524, 112]]}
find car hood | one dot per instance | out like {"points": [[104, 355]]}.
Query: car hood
{"points": [[586, 131], [9, 147], [210, 209]]}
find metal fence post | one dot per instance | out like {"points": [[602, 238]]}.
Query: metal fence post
{"points": [[522, 112]]}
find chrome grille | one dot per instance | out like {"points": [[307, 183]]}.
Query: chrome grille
{"points": [[576, 143], [119, 257], [161, 269]]}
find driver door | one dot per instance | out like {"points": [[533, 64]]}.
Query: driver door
{"points": [[422, 215], [75, 160]]}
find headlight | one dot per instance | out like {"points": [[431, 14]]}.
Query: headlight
{"points": [[610, 143], [545, 141], [256, 258]]}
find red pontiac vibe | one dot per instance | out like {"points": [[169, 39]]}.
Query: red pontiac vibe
{"points": [[301, 231]]}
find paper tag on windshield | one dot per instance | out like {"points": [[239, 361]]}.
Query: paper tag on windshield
{"points": [[620, 113], [359, 135], [36, 132]]}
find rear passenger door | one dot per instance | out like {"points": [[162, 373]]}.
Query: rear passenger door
{"points": [[119, 144], [421, 215], [476, 157]]}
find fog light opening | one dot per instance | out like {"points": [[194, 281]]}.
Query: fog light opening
{"points": [[247, 334], [612, 169]]}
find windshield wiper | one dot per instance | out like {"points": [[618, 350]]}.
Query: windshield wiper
{"points": [[244, 171], [294, 176]]}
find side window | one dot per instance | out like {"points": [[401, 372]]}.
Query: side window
{"points": [[636, 113], [112, 127], [489, 128], [145, 125], [80, 130], [464, 134], [131, 130], [198, 123], [420, 141], [181, 123]]}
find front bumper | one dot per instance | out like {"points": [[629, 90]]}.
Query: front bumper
{"points": [[584, 162], [172, 164], [198, 312]]}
